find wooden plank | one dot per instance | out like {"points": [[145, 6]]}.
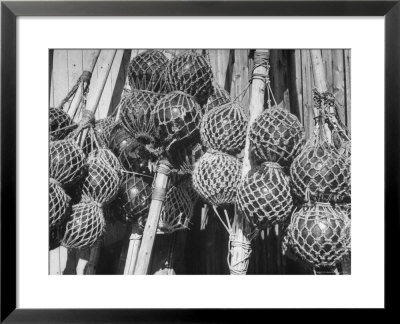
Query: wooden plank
{"points": [[219, 60], [87, 65], [279, 79], [105, 100], [308, 84], [240, 77], [60, 75], [338, 81], [75, 68], [347, 64], [51, 89], [295, 84], [327, 60], [122, 77]]}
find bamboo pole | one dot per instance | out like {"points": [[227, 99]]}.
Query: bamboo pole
{"points": [[90, 63], [149, 233], [135, 240], [241, 229], [321, 85]]}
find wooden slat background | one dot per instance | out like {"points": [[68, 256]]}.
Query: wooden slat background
{"points": [[204, 251]]}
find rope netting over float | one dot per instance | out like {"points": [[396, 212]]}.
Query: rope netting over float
{"points": [[175, 137]]}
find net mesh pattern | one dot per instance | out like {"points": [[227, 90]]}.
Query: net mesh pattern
{"points": [[86, 226], [319, 234], [137, 114], [177, 211], [177, 117], [345, 208], [216, 177], [103, 129], [133, 156], [66, 161], [119, 139], [146, 71], [190, 73], [136, 158], [224, 128], [106, 157], [101, 183], [59, 124], [276, 136], [264, 196], [58, 204], [184, 159], [218, 98], [134, 198], [320, 172]]}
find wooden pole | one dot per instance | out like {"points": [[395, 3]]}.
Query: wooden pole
{"points": [[149, 233], [241, 229], [89, 66], [135, 240]]}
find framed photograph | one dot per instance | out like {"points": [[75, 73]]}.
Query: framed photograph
{"points": [[201, 140]]}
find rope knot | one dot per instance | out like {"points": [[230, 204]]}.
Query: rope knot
{"points": [[86, 76], [164, 167], [87, 118]]}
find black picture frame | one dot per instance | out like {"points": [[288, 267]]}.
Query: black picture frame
{"points": [[10, 10]]}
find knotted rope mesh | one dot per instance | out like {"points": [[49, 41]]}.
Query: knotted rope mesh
{"points": [[134, 198], [60, 124], [106, 157], [177, 211], [191, 73], [184, 159], [86, 226], [66, 161], [136, 158], [177, 117], [320, 172], [137, 115], [319, 234], [276, 136], [224, 128], [103, 129], [119, 139], [264, 196], [146, 71], [101, 183], [133, 156], [216, 177], [218, 98], [58, 204]]}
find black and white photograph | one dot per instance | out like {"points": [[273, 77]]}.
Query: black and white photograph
{"points": [[199, 161]]}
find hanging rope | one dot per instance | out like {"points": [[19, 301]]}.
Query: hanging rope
{"points": [[84, 79]]}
